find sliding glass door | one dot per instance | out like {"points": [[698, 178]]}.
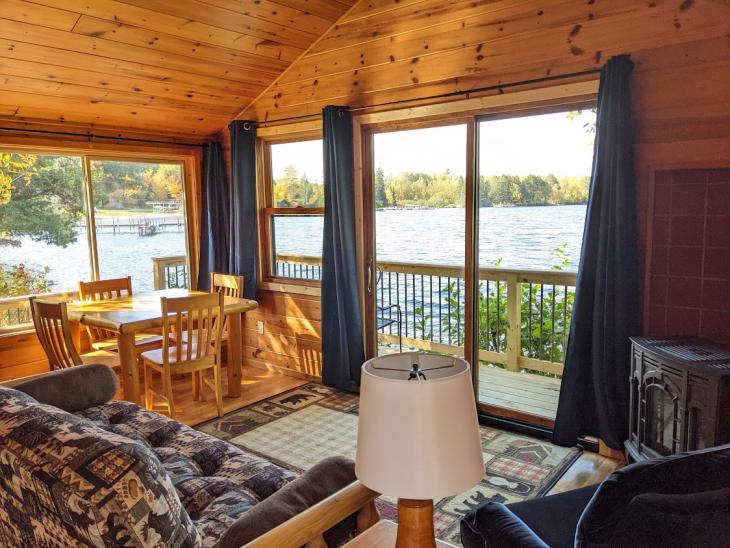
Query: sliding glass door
{"points": [[475, 236], [533, 179], [419, 195]]}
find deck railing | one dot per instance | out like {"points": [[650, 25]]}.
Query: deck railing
{"points": [[170, 272], [524, 315], [15, 312]]}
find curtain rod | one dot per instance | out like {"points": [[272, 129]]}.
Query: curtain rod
{"points": [[104, 137], [442, 95]]}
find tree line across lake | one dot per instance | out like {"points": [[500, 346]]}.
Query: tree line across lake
{"points": [[445, 189]]}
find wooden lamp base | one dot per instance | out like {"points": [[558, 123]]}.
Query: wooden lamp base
{"points": [[415, 524]]}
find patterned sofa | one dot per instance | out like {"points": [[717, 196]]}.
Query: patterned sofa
{"points": [[115, 474]]}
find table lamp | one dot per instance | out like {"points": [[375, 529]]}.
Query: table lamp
{"points": [[418, 436]]}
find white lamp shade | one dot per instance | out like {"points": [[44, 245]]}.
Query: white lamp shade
{"points": [[418, 439]]}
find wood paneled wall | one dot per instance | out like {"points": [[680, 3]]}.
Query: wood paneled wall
{"points": [[292, 324], [395, 49]]}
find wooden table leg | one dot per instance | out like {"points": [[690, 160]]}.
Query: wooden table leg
{"points": [[235, 356], [75, 328], [130, 371]]}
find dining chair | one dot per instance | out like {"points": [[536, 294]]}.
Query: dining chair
{"points": [[198, 316], [230, 285], [54, 333], [113, 288]]}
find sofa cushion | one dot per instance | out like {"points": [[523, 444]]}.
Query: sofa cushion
{"points": [[216, 482], [322, 480], [74, 388], [66, 482]]}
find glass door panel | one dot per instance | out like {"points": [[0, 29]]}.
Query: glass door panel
{"points": [[534, 173], [419, 222], [139, 211]]}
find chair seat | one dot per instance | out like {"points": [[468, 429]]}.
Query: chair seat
{"points": [[142, 342], [110, 359], [156, 356]]}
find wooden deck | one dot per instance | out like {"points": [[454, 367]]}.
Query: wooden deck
{"points": [[521, 392]]}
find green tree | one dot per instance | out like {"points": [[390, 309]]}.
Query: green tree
{"points": [[41, 197], [45, 200], [534, 190], [381, 198]]}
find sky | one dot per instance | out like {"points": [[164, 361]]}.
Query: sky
{"points": [[539, 144]]}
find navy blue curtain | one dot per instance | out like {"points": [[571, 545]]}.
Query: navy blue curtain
{"points": [[214, 215], [243, 255], [342, 341], [594, 396]]}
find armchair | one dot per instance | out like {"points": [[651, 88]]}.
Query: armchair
{"points": [[680, 500]]}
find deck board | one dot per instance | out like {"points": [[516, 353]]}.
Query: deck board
{"points": [[523, 392]]}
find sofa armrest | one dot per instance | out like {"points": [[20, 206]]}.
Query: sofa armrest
{"points": [[495, 525], [307, 527]]}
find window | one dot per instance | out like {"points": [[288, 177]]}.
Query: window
{"points": [[139, 213], [294, 210], [50, 239]]}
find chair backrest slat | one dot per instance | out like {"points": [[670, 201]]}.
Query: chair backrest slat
{"points": [[104, 290], [198, 316], [54, 333], [229, 284]]}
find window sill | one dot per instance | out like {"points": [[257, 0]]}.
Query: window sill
{"points": [[24, 330], [281, 287]]}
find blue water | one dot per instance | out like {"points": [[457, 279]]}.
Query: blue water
{"points": [[522, 237], [514, 237]]}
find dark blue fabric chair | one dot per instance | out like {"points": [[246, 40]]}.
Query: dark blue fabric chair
{"points": [[680, 500]]}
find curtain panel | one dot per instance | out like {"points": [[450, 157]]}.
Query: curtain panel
{"points": [[214, 215], [243, 257], [594, 395], [342, 341]]}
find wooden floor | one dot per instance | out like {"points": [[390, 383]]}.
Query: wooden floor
{"points": [[589, 469], [257, 384], [521, 392]]}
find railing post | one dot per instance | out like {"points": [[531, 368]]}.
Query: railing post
{"points": [[158, 274], [514, 320]]}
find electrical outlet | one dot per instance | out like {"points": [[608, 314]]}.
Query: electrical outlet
{"points": [[260, 327]]}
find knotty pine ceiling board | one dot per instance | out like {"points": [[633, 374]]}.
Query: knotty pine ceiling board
{"points": [[183, 67], [385, 50]]}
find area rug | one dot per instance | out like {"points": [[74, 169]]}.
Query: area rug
{"points": [[300, 427]]}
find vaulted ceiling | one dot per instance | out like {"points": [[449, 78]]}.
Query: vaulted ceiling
{"points": [[170, 66], [187, 67]]}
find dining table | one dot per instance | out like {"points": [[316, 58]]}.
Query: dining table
{"points": [[142, 312]]}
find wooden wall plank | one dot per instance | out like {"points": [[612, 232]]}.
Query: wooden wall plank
{"points": [[220, 18], [127, 34], [109, 81], [54, 18]]}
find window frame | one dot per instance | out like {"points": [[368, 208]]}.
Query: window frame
{"points": [[189, 173], [267, 212]]}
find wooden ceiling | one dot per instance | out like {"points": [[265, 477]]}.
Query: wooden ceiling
{"points": [[160, 66], [187, 67], [386, 50]]}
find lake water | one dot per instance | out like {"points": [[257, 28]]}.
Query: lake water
{"points": [[516, 237], [522, 237]]}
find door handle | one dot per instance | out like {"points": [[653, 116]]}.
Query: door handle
{"points": [[370, 277]]}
